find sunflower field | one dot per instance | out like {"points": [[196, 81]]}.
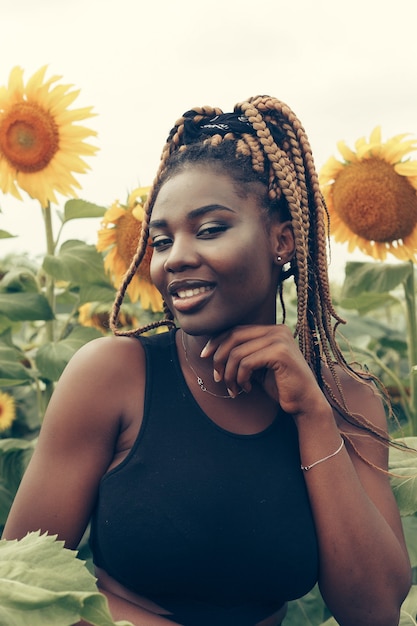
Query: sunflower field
{"points": [[50, 307]]}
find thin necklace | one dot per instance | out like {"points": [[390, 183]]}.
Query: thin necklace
{"points": [[200, 381]]}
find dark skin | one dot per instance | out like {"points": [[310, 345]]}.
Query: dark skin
{"points": [[216, 265]]}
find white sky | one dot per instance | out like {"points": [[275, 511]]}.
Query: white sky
{"points": [[343, 67]]}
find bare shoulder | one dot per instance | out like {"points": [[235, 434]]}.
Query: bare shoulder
{"points": [[108, 353], [368, 415], [361, 395], [100, 388]]}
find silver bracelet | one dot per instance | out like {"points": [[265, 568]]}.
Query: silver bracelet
{"points": [[305, 468]]}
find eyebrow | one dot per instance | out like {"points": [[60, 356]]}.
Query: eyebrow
{"points": [[209, 208]]}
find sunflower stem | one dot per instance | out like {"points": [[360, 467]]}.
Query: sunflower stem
{"points": [[50, 296], [410, 302], [50, 283]]}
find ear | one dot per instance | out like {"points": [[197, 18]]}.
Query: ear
{"points": [[282, 242]]}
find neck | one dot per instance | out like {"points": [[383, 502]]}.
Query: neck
{"points": [[202, 369]]}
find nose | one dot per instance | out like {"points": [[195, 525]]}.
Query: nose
{"points": [[181, 256]]}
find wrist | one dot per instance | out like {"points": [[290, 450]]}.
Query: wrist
{"points": [[319, 416]]}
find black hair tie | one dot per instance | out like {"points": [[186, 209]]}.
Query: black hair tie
{"points": [[221, 125]]}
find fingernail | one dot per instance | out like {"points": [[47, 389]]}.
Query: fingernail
{"points": [[216, 376], [231, 394], [204, 351]]}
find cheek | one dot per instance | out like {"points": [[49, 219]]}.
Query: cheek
{"points": [[155, 269]]}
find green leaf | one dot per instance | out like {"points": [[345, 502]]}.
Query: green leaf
{"points": [[410, 532], [394, 341], [409, 609], [44, 584], [19, 279], [104, 293], [5, 323], [75, 209], [14, 457], [27, 401], [11, 369], [403, 466], [358, 326], [366, 302], [52, 358], [308, 610], [25, 306], [5, 235], [377, 277], [77, 262]]}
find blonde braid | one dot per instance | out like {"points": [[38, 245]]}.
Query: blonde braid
{"points": [[286, 182], [315, 316]]}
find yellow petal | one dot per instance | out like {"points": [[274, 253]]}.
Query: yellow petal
{"points": [[375, 136], [348, 155], [408, 168]]}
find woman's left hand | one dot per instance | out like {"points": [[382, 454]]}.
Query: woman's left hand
{"points": [[270, 356]]}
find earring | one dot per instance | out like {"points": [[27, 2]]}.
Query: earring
{"points": [[279, 259]]}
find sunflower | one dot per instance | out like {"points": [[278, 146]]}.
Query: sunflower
{"points": [[40, 146], [119, 239], [96, 315], [7, 411], [372, 196]]}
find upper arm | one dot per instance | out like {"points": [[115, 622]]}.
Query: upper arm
{"points": [[77, 440]]}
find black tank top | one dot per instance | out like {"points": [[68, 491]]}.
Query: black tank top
{"points": [[213, 526]]}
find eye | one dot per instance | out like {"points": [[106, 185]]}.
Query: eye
{"points": [[160, 242], [207, 231]]}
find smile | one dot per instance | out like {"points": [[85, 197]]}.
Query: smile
{"points": [[189, 293]]}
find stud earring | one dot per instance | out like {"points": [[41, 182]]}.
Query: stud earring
{"points": [[279, 259]]}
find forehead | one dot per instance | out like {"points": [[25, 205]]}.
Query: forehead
{"points": [[201, 185]]}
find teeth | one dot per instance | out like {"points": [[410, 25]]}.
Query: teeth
{"points": [[188, 293]]}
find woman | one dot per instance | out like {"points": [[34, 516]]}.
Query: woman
{"points": [[225, 467]]}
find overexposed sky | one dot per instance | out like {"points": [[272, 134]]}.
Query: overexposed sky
{"points": [[342, 67]]}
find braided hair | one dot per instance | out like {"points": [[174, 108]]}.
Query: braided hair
{"points": [[263, 141]]}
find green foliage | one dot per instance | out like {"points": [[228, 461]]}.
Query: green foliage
{"points": [[52, 357], [25, 306], [375, 278], [44, 584], [12, 370], [403, 467], [39, 302], [14, 457], [77, 263], [309, 610], [75, 209], [379, 305], [5, 235], [40, 330]]}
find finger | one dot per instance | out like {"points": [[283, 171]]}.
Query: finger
{"points": [[242, 362]]}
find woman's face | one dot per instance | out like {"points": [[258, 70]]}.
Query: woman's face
{"points": [[213, 259]]}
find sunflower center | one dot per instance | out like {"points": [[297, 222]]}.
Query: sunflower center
{"points": [[374, 201], [29, 137], [127, 237]]}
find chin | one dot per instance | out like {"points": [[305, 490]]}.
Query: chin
{"points": [[196, 329]]}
